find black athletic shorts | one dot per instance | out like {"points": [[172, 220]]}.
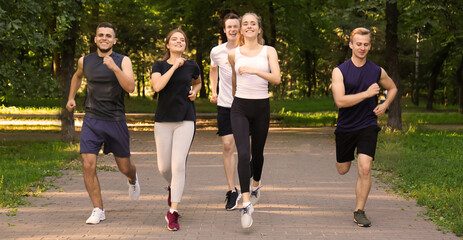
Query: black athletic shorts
{"points": [[364, 140], [223, 121]]}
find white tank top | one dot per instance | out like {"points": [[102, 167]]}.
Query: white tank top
{"points": [[251, 86]]}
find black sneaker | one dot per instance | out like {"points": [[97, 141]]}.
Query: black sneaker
{"points": [[232, 199], [361, 219]]}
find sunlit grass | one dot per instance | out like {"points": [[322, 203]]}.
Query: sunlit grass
{"points": [[29, 110], [317, 119], [25, 164], [426, 165]]}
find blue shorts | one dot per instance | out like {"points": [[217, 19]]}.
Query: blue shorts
{"points": [[113, 136], [223, 121]]}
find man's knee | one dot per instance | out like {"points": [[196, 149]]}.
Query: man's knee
{"points": [[343, 168], [228, 143], [228, 147], [88, 162], [364, 165], [364, 171]]}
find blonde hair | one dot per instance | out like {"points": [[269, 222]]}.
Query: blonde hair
{"points": [[359, 30], [260, 38], [166, 42]]}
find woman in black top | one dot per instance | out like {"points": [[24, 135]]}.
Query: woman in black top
{"points": [[177, 81]]}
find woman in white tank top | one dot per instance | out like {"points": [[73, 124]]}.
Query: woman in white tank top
{"points": [[254, 65]]}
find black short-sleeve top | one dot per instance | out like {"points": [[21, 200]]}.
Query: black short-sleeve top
{"points": [[173, 102]]}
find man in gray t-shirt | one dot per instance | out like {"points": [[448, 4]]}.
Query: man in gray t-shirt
{"points": [[109, 76]]}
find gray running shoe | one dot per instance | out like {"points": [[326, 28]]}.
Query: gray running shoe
{"points": [[361, 219]]}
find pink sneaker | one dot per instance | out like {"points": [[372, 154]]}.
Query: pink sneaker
{"points": [[172, 221]]}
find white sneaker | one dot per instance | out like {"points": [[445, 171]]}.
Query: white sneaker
{"points": [[255, 194], [134, 189], [96, 217], [246, 218]]}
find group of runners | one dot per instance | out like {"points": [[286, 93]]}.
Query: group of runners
{"points": [[241, 70]]}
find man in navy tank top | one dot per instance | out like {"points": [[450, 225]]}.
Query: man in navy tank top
{"points": [[356, 85], [109, 75]]}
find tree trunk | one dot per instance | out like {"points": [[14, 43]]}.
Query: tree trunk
{"points": [[67, 70], [415, 87], [139, 76], [93, 23], [308, 73], [199, 61], [460, 86], [273, 31], [439, 57], [394, 119]]}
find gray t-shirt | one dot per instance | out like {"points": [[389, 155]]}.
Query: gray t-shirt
{"points": [[105, 96]]}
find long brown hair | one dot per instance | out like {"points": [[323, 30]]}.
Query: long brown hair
{"points": [[260, 35], [166, 42]]}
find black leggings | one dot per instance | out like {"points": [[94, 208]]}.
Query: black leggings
{"points": [[250, 117]]}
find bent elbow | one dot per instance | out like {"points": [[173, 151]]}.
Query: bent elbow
{"points": [[340, 104], [156, 88]]}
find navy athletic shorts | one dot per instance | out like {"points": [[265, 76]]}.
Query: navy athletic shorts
{"points": [[364, 140], [223, 121], [113, 136]]}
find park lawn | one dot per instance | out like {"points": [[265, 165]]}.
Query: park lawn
{"points": [[427, 166], [24, 166], [148, 105]]}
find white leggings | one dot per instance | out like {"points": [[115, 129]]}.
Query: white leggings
{"points": [[173, 142]]}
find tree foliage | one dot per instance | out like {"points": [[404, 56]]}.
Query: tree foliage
{"points": [[311, 38]]}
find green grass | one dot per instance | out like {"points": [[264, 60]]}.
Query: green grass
{"points": [[24, 166], [317, 119], [305, 105], [308, 112], [427, 166]]}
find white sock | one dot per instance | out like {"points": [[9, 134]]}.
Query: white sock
{"points": [[172, 210], [246, 204]]}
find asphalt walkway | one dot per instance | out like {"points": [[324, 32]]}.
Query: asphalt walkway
{"points": [[303, 197]]}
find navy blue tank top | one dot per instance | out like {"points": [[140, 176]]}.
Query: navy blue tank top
{"points": [[105, 96], [356, 80]]}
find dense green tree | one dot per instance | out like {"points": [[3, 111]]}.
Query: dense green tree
{"points": [[310, 36]]}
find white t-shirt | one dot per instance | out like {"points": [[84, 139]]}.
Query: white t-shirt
{"points": [[251, 86], [219, 57]]}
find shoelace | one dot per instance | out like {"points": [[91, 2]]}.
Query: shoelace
{"points": [[227, 196], [254, 193], [94, 212], [244, 210]]}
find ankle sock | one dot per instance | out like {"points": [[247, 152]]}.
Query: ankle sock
{"points": [[172, 210]]}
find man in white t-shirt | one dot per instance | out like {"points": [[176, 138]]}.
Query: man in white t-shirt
{"points": [[221, 69]]}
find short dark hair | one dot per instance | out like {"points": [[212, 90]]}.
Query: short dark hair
{"points": [[229, 15], [106, 25]]}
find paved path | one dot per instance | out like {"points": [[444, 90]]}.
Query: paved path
{"points": [[303, 198]]}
